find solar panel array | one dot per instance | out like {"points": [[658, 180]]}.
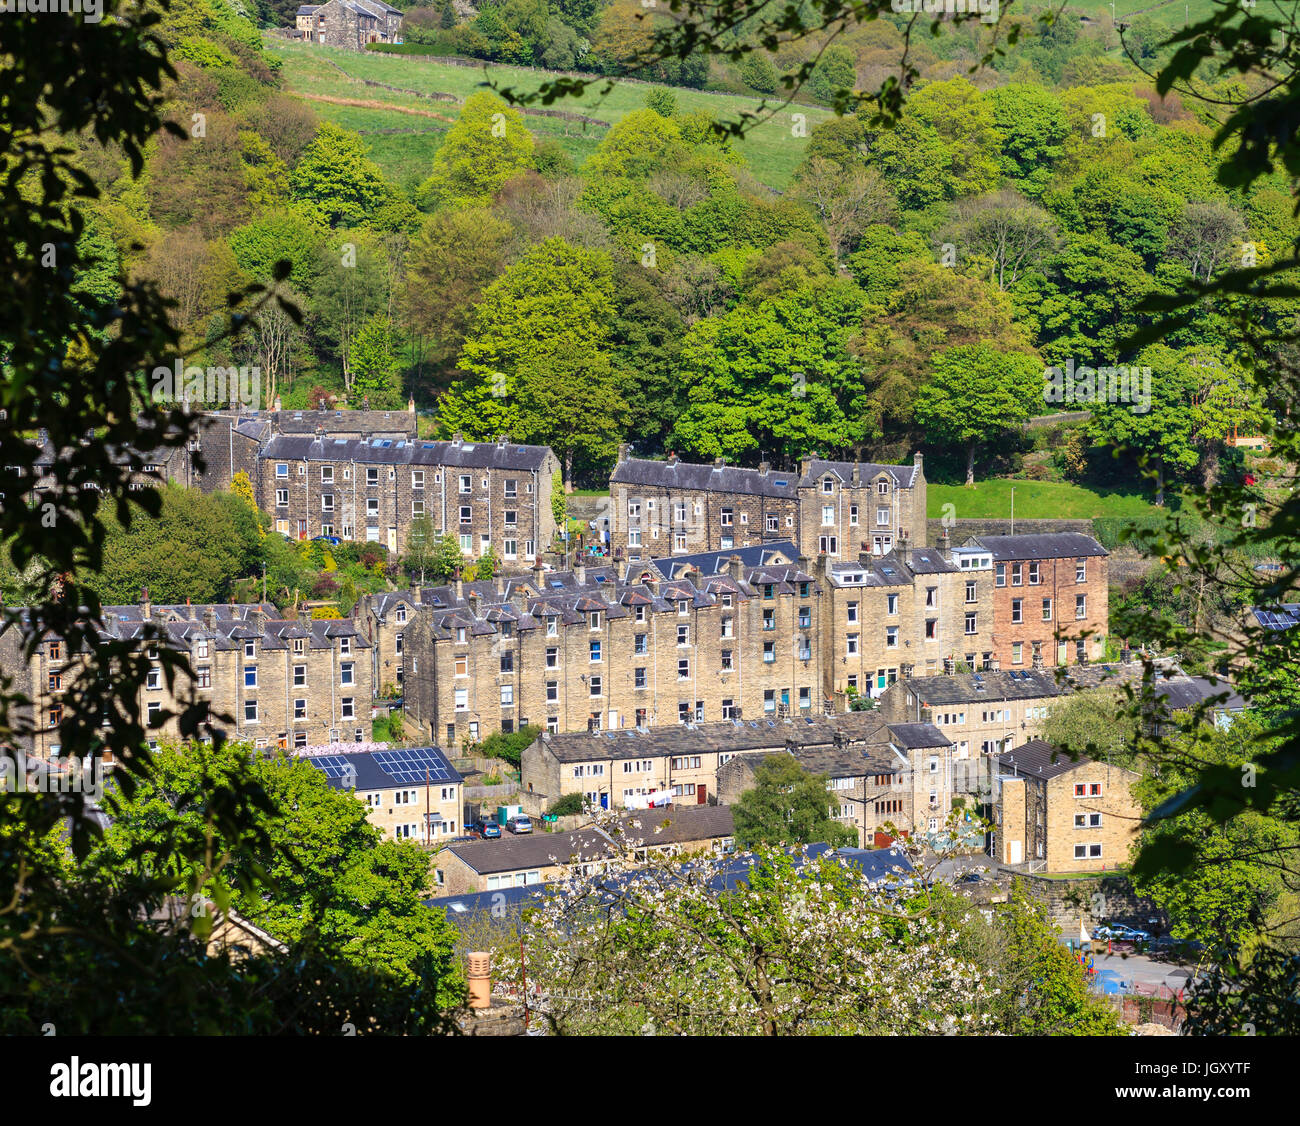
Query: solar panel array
{"points": [[334, 766], [1279, 617], [408, 765]]}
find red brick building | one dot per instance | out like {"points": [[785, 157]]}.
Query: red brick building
{"points": [[1050, 599]]}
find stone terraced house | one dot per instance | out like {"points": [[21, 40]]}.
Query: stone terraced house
{"points": [[712, 637], [487, 494], [831, 508], [877, 772], [282, 683]]}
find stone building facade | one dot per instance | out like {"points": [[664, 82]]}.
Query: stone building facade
{"points": [[1057, 815], [911, 612], [400, 798], [1051, 598], [837, 509], [278, 683], [348, 23], [661, 508], [632, 645], [487, 494], [878, 774]]}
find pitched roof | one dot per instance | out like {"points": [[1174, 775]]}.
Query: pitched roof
{"points": [[674, 474], [510, 853], [403, 451], [903, 476], [1031, 684], [1046, 545], [733, 736], [914, 736], [1038, 759]]}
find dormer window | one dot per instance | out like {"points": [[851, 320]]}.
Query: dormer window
{"points": [[345, 645], [401, 614], [593, 619], [882, 488], [299, 644], [828, 485]]}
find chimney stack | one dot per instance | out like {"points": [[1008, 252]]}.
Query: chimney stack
{"points": [[145, 605], [919, 461], [210, 617], [855, 478], [501, 585], [763, 467], [719, 462], [416, 594], [622, 452], [410, 405], [736, 568], [459, 586], [620, 569], [580, 573]]}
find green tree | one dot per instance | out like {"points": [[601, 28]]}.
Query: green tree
{"points": [[486, 147], [488, 565], [758, 73], [337, 178], [1235, 871], [787, 806], [975, 393], [1094, 725], [776, 378], [1033, 127], [663, 102], [456, 256], [333, 875], [376, 380]]}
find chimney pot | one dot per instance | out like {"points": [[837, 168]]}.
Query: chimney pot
{"points": [[479, 975]]}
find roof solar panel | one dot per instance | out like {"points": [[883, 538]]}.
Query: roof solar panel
{"points": [[334, 766], [409, 765]]}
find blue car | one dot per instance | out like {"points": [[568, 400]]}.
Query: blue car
{"points": [[487, 830], [333, 541]]}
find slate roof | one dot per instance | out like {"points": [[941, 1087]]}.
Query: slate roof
{"points": [[904, 476], [404, 451], [715, 562], [874, 864], [1031, 684], [1047, 545], [675, 474], [227, 626], [915, 736], [369, 775], [1187, 692], [510, 853], [734, 736], [1039, 760], [529, 601]]}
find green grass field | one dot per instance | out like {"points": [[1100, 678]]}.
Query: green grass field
{"points": [[1171, 12], [771, 150], [1035, 500]]}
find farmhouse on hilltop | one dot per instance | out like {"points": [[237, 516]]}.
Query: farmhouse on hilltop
{"points": [[348, 23]]}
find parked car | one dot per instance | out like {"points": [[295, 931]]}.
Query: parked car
{"points": [[485, 830], [1121, 932], [333, 541], [520, 824]]}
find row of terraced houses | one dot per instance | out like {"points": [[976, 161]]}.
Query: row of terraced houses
{"points": [[736, 599]]}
